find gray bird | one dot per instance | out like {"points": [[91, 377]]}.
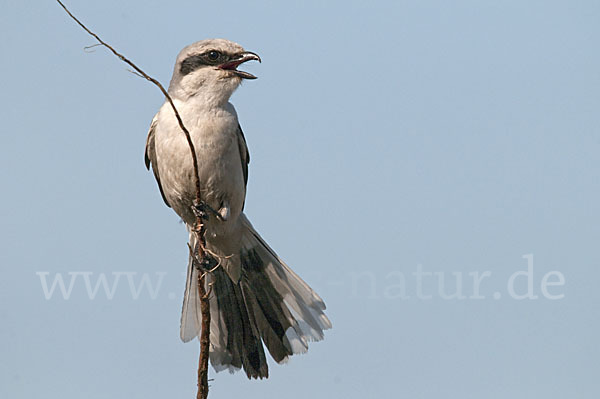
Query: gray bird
{"points": [[256, 298]]}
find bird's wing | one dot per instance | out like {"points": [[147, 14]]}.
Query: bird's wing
{"points": [[244, 154], [150, 156]]}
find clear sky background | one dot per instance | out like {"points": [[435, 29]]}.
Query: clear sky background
{"points": [[388, 138]]}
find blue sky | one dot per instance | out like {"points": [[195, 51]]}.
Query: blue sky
{"points": [[398, 149]]}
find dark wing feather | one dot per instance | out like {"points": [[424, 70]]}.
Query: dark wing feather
{"points": [[244, 154], [150, 158]]}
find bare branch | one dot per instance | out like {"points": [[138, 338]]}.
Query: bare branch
{"points": [[199, 252]]}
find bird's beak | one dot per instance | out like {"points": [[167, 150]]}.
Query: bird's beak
{"points": [[240, 59]]}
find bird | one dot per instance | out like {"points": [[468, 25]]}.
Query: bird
{"points": [[256, 299]]}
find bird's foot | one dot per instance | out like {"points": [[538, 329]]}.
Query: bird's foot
{"points": [[202, 210], [207, 263]]}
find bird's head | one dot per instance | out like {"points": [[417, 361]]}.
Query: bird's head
{"points": [[208, 69]]}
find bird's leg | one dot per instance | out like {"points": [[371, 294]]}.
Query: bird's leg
{"points": [[207, 263]]}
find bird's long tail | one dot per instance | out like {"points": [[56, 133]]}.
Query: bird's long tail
{"points": [[270, 304]]}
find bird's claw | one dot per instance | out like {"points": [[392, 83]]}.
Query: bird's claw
{"points": [[206, 264], [202, 210]]}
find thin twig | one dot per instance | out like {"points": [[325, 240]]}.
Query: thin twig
{"points": [[134, 73], [198, 229], [88, 49]]}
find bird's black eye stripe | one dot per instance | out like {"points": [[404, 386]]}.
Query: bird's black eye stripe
{"points": [[210, 57], [191, 63]]}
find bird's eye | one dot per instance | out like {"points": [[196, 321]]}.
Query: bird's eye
{"points": [[213, 55]]}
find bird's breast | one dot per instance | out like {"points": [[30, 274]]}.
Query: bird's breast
{"points": [[215, 139]]}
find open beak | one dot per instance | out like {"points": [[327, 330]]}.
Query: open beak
{"points": [[240, 59]]}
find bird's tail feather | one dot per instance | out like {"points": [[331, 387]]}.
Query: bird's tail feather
{"points": [[269, 304]]}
